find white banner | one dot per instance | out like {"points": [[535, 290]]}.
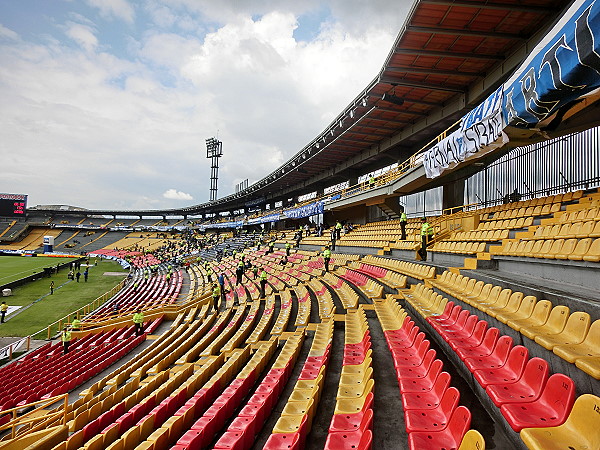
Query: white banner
{"points": [[5, 352], [473, 139]]}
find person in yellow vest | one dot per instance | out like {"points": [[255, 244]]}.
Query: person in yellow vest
{"points": [[216, 294], [426, 235], [76, 325], [3, 310], [138, 321], [287, 248], [338, 230], [65, 337], [326, 258], [263, 283], [403, 220], [371, 181]]}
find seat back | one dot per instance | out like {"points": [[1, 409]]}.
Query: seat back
{"points": [[517, 359], [559, 394], [502, 348], [490, 338], [592, 338], [557, 319], [526, 306], [459, 423], [449, 400], [535, 374], [472, 440], [577, 327], [541, 312]]}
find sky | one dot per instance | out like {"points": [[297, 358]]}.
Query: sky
{"points": [[107, 104]]}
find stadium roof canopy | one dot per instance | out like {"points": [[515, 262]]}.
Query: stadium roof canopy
{"points": [[449, 55]]}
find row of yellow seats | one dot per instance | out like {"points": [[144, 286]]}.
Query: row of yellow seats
{"points": [[466, 248], [425, 300], [559, 198], [589, 228], [581, 215], [506, 224], [478, 235], [419, 271], [573, 249], [540, 210]]}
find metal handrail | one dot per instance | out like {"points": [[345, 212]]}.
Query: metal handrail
{"points": [[23, 419]]}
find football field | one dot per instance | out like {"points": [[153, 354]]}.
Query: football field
{"points": [[16, 267]]}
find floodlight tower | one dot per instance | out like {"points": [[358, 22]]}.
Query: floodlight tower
{"points": [[214, 150]]}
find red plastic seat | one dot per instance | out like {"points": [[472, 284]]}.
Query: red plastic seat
{"points": [[496, 359], [448, 438], [475, 338], [349, 440], [410, 357], [422, 384], [509, 372], [549, 410], [417, 371], [526, 389], [428, 399], [413, 340], [362, 419], [455, 327], [232, 440], [439, 321], [482, 349], [464, 332], [433, 419]]}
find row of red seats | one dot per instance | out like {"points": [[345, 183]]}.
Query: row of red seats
{"points": [[519, 385], [432, 416]]}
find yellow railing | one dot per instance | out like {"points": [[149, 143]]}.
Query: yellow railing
{"points": [[33, 415]]}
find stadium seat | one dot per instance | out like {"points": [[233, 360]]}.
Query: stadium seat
{"points": [[574, 332], [472, 440], [495, 359], [551, 408], [449, 437], [555, 324], [581, 430], [433, 419], [589, 347], [427, 399], [509, 372], [538, 317], [526, 389]]}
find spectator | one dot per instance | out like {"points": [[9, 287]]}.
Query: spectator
{"points": [[78, 275]]}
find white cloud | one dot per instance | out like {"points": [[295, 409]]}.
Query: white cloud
{"points": [[174, 194], [83, 35], [7, 33], [120, 9]]}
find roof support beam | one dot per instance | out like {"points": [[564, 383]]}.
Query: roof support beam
{"points": [[491, 5], [419, 85], [450, 73], [397, 111], [406, 99], [446, 54], [463, 32]]}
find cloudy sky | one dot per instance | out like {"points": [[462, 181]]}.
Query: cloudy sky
{"points": [[108, 103]]}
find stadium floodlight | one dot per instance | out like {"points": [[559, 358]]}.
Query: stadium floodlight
{"points": [[214, 150], [392, 99]]}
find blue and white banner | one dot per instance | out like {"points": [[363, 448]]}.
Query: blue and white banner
{"points": [[264, 219], [562, 69], [312, 209], [480, 132]]}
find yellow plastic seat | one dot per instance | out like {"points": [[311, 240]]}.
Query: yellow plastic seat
{"points": [[590, 347], [544, 250], [567, 248], [539, 316], [581, 430], [524, 310], [289, 423], [590, 365], [574, 332], [497, 296], [511, 305], [485, 292], [582, 247], [298, 408], [355, 390], [555, 324], [593, 253], [472, 440]]}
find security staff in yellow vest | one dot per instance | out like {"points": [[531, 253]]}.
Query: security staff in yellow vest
{"points": [[426, 235], [138, 321], [263, 283], [338, 230], [216, 294], [403, 220], [76, 325], [326, 258], [65, 337], [3, 310], [287, 248]]}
